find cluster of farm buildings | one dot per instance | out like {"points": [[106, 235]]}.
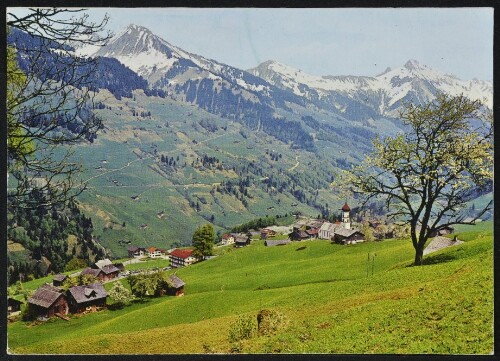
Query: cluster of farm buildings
{"points": [[53, 300], [340, 232]]}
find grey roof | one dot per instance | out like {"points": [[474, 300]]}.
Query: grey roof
{"points": [[110, 269], [439, 242], [60, 277], [341, 231], [330, 227], [45, 296], [92, 292], [315, 223], [175, 282], [276, 242], [91, 271], [132, 248], [240, 239], [103, 262]]}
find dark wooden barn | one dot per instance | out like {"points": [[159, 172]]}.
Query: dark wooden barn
{"points": [[47, 301], [87, 298], [175, 286]]}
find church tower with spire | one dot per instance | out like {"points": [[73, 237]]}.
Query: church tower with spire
{"points": [[346, 219]]}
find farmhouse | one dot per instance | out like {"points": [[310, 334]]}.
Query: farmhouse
{"points": [[241, 241], [104, 274], [227, 239], [87, 298], [348, 236], [315, 223], [136, 252], [153, 252], [100, 264], [312, 232], [47, 301], [267, 232], [299, 235], [58, 280], [181, 258], [175, 286]]}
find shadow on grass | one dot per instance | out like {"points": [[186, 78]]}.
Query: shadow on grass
{"points": [[436, 259], [301, 248]]}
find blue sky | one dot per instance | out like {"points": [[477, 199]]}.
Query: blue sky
{"points": [[326, 41]]}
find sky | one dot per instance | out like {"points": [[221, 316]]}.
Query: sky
{"points": [[458, 41]]}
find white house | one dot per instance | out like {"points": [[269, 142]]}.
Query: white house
{"points": [[182, 257]]}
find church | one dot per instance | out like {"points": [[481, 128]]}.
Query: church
{"points": [[341, 232]]}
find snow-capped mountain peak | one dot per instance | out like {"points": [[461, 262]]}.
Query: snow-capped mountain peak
{"points": [[139, 49], [385, 92]]}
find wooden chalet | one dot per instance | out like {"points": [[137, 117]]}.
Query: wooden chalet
{"points": [[13, 305], [181, 258], [175, 286], [87, 298], [299, 235], [110, 272], [241, 241], [136, 252], [348, 236], [48, 301], [312, 232], [58, 280], [267, 232], [153, 252], [100, 264], [103, 274], [227, 239]]}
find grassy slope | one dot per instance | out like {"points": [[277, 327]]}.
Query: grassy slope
{"points": [[445, 306]]}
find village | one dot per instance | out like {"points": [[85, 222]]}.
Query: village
{"points": [[84, 292]]}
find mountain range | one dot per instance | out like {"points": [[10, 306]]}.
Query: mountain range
{"points": [[189, 140], [175, 70]]}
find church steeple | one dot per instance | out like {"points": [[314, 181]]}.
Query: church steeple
{"points": [[346, 219]]}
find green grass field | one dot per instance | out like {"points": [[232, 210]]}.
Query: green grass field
{"points": [[327, 292]]}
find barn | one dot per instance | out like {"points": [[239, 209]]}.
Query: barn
{"points": [[87, 298], [47, 301], [175, 286]]}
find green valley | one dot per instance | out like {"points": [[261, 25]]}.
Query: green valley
{"points": [[327, 293]]}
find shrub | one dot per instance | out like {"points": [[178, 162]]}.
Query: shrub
{"points": [[243, 328], [28, 313], [270, 321]]}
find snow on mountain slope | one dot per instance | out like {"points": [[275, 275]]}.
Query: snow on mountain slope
{"points": [[169, 67], [398, 82], [413, 81]]}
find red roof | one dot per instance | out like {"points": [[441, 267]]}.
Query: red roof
{"points": [[346, 208], [182, 253], [151, 249]]}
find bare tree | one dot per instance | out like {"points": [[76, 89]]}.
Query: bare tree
{"points": [[427, 174], [49, 102]]}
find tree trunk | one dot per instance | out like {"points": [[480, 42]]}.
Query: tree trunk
{"points": [[419, 255]]}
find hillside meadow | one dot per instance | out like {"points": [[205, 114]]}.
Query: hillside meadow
{"points": [[364, 298]]}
